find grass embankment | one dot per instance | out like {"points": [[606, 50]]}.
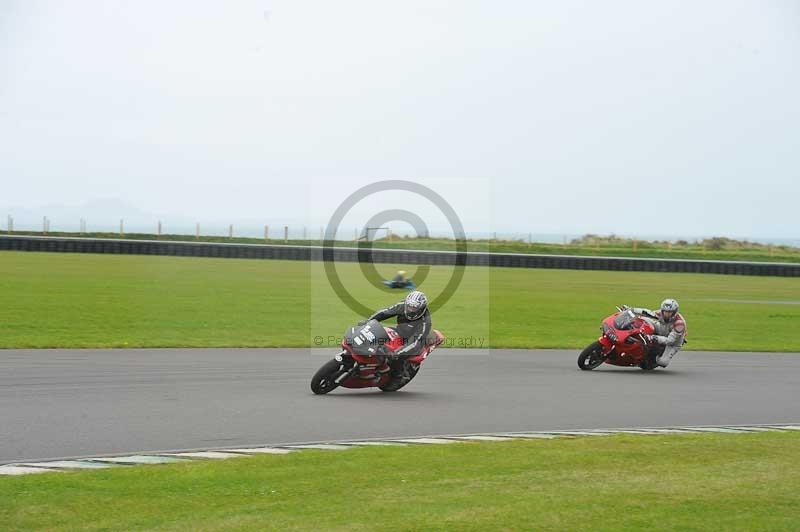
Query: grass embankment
{"points": [[675, 482], [604, 246], [78, 300]]}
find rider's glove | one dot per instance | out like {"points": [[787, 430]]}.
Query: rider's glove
{"points": [[624, 307], [362, 322], [651, 338]]}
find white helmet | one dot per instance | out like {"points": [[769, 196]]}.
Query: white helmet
{"points": [[669, 306]]}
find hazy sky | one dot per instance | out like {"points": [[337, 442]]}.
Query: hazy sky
{"points": [[650, 117]]}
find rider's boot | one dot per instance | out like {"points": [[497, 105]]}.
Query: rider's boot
{"points": [[403, 369], [382, 369], [665, 358]]}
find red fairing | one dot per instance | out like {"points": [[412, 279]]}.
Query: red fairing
{"points": [[627, 347], [425, 352], [366, 377], [606, 343]]}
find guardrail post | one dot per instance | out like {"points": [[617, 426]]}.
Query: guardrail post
{"points": [[230, 231], [197, 231], [266, 233], [10, 224], [122, 228], [285, 233], [159, 228]]}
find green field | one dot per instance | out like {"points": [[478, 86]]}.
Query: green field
{"points": [[675, 482], [79, 300]]}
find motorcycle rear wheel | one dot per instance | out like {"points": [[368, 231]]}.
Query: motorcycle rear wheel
{"points": [[324, 380], [591, 357]]}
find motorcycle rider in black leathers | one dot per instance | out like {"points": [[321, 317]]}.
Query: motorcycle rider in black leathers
{"points": [[413, 326]]}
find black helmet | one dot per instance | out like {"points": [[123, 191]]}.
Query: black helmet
{"points": [[415, 305]]}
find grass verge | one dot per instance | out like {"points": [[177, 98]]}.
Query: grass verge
{"points": [[84, 300], [625, 482]]}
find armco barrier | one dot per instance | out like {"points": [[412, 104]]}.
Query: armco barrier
{"points": [[392, 256]]}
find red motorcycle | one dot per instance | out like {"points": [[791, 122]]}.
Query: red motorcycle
{"points": [[623, 343], [358, 367]]}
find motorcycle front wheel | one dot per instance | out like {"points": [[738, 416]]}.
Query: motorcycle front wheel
{"points": [[324, 380], [591, 357]]}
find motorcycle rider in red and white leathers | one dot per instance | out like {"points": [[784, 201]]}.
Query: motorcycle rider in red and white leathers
{"points": [[670, 330]]}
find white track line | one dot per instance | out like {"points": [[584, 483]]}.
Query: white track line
{"points": [[375, 443], [139, 459], [214, 455], [24, 468], [67, 464], [260, 450], [756, 429], [323, 446], [716, 429], [579, 433], [481, 437], [525, 435], [434, 441]]}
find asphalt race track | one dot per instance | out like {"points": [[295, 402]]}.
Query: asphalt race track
{"points": [[72, 403]]}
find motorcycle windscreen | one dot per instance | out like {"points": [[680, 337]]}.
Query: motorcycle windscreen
{"points": [[625, 321], [365, 339]]}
